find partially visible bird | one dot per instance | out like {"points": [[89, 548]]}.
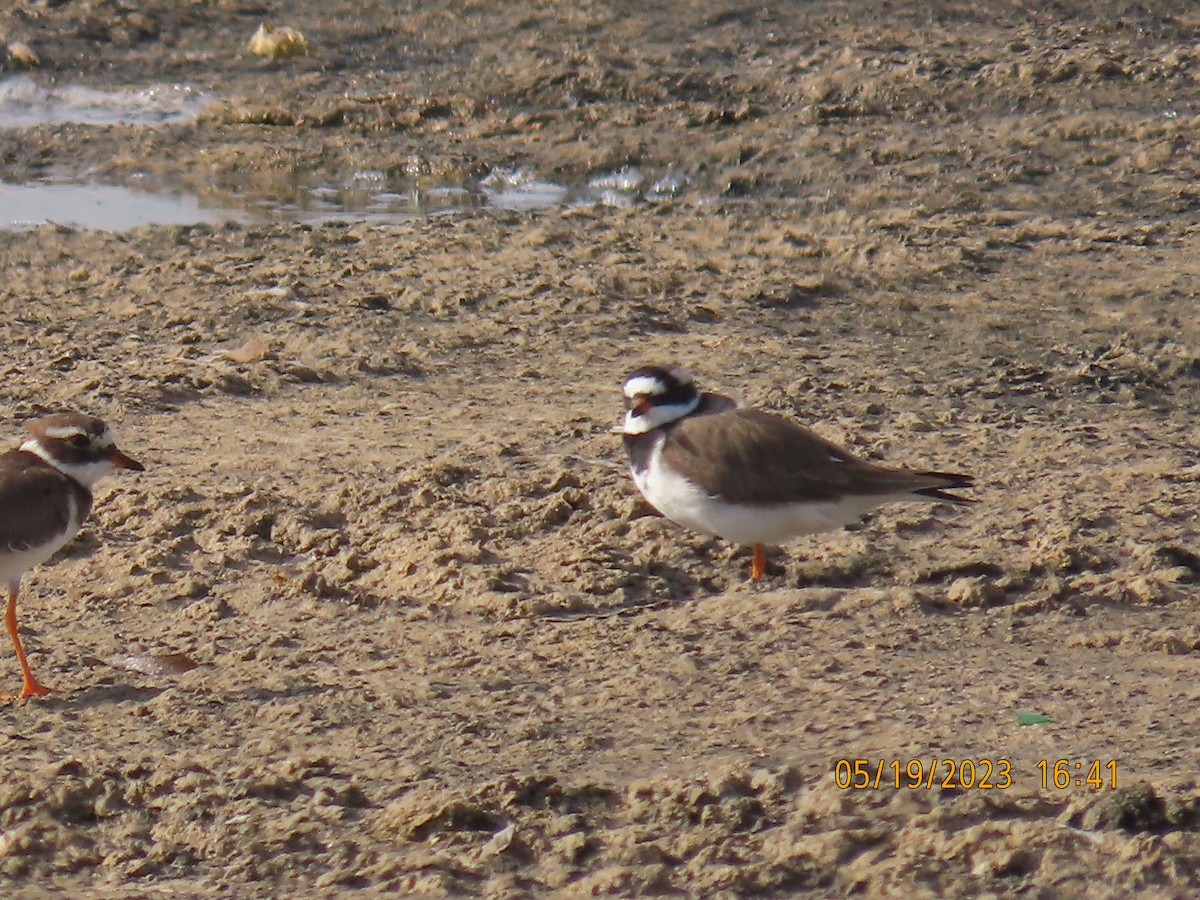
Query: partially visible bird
{"points": [[45, 495]]}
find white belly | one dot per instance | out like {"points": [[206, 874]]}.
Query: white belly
{"points": [[15, 563], [685, 503]]}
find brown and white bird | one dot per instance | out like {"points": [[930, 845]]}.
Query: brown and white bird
{"points": [[712, 465], [45, 494]]}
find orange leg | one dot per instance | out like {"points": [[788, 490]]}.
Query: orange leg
{"points": [[32, 687], [758, 564]]}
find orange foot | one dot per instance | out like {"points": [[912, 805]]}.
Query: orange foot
{"points": [[30, 689], [758, 563], [34, 688]]}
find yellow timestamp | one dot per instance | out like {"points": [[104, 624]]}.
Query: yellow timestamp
{"points": [[1063, 773], [915, 774]]}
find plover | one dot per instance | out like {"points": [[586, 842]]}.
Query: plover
{"points": [[45, 494], [712, 465]]}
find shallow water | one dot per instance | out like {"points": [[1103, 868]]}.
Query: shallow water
{"points": [[119, 208], [364, 196], [102, 206], [367, 195], [25, 103]]}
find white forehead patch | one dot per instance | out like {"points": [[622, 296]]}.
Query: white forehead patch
{"points": [[644, 385], [66, 431]]}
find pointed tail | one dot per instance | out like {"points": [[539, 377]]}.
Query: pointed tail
{"points": [[948, 480]]}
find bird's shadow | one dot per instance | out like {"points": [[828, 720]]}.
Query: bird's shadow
{"points": [[114, 694], [104, 695]]}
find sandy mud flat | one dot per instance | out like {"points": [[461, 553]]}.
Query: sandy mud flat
{"points": [[441, 646]]}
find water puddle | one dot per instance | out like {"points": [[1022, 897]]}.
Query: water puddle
{"points": [[101, 206], [366, 196], [66, 198], [24, 103], [374, 196]]}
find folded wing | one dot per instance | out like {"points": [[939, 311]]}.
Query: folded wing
{"points": [[752, 457]]}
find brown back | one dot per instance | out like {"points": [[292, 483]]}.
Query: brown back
{"points": [[33, 507], [750, 456]]}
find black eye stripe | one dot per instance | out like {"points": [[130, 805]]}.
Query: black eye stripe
{"points": [[643, 403], [675, 396]]}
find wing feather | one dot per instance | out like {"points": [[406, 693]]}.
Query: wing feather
{"points": [[31, 501], [750, 456]]}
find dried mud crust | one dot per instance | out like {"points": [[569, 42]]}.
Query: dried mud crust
{"points": [[443, 646]]}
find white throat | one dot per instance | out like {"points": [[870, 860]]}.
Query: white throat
{"points": [[657, 416], [87, 474]]}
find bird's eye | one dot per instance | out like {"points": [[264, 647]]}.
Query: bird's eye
{"points": [[79, 440], [641, 406]]}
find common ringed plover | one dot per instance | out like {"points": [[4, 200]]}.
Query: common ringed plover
{"points": [[45, 494], [712, 465]]}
